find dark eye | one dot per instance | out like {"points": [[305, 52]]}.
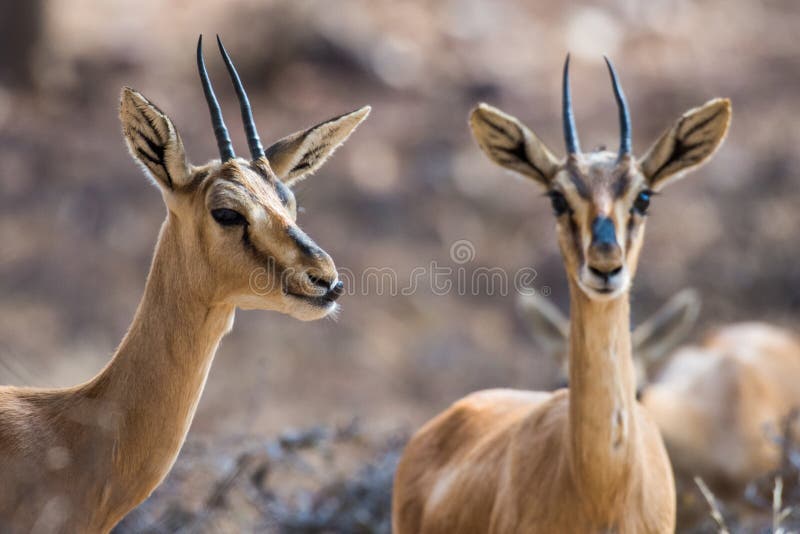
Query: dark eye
{"points": [[559, 202], [642, 202], [227, 217]]}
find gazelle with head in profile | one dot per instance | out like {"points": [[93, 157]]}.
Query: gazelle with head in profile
{"points": [[720, 405], [586, 459], [78, 459]]}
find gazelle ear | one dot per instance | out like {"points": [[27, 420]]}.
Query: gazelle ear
{"points": [[665, 329], [153, 140], [548, 326], [690, 142], [296, 156], [510, 144]]}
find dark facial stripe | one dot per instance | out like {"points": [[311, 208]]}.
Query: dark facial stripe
{"points": [[629, 232], [620, 187], [306, 245], [576, 238], [261, 256], [580, 185]]}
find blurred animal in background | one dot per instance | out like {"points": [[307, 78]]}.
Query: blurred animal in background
{"points": [[586, 459], [651, 340], [720, 405], [78, 459]]}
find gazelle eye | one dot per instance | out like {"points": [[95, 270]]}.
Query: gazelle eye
{"points": [[559, 202], [228, 217], [642, 202]]}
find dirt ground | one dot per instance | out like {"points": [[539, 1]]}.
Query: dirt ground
{"points": [[78, 221]]}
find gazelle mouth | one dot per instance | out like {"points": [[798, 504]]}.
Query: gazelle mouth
{"points": [[319, 301], [603, 289]]}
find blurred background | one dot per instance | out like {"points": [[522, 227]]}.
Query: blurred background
{"points": [[78, 220]]}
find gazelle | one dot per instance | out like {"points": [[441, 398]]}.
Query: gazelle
{"points": [[78, 459], [720, 405], [587, 459]]}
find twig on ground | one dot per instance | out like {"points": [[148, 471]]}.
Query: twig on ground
{"points": [[779, 513], [712, 504]]}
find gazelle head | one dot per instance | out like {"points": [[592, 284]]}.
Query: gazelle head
{"points": [[600, 199], [236, 218], [651, 340]]}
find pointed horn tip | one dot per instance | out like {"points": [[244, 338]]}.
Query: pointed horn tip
{"points": [[610, 66]]}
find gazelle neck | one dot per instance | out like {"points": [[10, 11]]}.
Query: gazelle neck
{"points": [[150, 389], [602, 400]]}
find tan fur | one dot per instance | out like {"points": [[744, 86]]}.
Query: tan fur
{"points": [[587, 459], [76, 460]]}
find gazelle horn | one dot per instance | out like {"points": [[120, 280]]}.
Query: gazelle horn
{"points": [[570, 132], [253, 141], [220, 131], [624, 114]]}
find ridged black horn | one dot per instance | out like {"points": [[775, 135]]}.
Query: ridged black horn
{"points": [[253, 141], [220, 131], [624, 114], [570, 132]]}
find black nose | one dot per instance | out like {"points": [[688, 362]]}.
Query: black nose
{"points": [[336, 291], [605, 275], [604, 236]]}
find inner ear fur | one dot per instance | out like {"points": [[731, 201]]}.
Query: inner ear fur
{"points": [[300, 154], [510, 144], [153, 140], [690, 142]]}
